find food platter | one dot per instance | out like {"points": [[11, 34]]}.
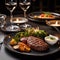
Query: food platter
{"points": [[42, 16], [51, 50]]}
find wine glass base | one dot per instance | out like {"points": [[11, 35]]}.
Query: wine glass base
{"points": [[24, 26], [11, 28]]}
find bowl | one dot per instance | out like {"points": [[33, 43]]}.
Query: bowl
{"points": [[51, 39]]}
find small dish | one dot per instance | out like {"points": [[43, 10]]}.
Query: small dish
{"points": [[51, 39]]}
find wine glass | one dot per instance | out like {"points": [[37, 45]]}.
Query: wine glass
{"points": [[11, 5], [24, 4]]}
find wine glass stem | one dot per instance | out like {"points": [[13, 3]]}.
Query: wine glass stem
{"points": [[11, 16], [25, 14], [40, 5]]}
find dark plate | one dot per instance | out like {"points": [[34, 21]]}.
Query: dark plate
{"points": [[31, 16], [52, 49], [36, 20]]}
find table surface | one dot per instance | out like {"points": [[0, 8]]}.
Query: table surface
{"points": [[5, 54]]}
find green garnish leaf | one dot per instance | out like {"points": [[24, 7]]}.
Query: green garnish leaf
{"points": [[30, 32]]}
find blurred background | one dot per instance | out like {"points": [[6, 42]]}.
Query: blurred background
{"points": [[46, 5]]}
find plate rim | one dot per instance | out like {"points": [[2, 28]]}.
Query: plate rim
{"points": [[57, 14]]}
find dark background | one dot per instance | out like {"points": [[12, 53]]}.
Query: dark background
{"points": [[48, 5], [34, 7]]}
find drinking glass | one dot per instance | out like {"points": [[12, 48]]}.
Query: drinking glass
{"points": [[24, 4], [11, 5]]}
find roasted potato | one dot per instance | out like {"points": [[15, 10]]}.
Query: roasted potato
{"points": [[13, 42], [23, 47]]}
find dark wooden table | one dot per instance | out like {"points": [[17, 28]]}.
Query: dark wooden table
{"points": [[5, 54]]}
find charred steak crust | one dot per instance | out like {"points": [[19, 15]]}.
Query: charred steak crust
{"points": [[37, 44]]}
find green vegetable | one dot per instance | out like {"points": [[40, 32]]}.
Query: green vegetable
{"points": [[46, 12], [30, 32], [52, 38]]}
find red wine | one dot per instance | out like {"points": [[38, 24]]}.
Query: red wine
{"points": [[11, 5], [24, 6]]}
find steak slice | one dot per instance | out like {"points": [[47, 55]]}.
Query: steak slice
{"points": [[37, 44], [24, 39]]}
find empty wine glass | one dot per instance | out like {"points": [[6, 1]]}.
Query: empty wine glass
{"points": [[11, 5], [24, 4]]}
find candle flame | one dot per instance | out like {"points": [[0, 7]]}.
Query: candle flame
{"points": [[17, 19], [56, 22]]}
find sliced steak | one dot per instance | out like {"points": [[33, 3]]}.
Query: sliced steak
{"points": [[24, 39], [37, 44]]}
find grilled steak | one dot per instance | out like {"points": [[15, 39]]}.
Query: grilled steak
{"points": [[37, 44]]}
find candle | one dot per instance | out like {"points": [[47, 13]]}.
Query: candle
{"points": [[17, 20], [56, 24]]}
